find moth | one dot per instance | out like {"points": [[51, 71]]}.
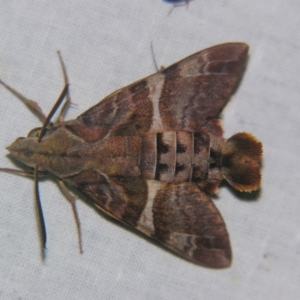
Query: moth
{"points": [[150, 153]]}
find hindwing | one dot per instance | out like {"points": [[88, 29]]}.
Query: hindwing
{"points": [[178, 215]]}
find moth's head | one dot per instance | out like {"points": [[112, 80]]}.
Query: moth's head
{"points": [[26, 149], [241, 156]]}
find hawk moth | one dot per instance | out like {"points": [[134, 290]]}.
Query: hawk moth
{"points": [[150, 153]]}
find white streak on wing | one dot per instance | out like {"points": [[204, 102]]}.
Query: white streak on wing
{"points": [[115, 107], [205, 58], [155, 84], [184, 242], [145, 222]]}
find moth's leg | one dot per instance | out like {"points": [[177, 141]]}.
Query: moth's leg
{"points": [[32, 105], [72, 200], [154, 60], [34, 173], [23, 172], [171, 9], [153, 57], [39, 208], [186, 2], [66, 81], [17, 171]]}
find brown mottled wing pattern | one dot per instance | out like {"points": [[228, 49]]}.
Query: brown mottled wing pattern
{"points": [[159, 128], [180, 97], [179, 215], [187, 222]]}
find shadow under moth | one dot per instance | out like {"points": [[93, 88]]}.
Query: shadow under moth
{"points": [[150, 153]]}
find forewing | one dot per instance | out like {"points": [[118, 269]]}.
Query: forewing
{"points": [[180, 97], [179, 215]]}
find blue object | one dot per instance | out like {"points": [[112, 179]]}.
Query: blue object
{"points": [[174, 1]]}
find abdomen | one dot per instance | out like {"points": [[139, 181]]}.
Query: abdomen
{"points": [[175, 156]]}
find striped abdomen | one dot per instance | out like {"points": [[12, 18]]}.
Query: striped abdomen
{"points": [[177, 156]]}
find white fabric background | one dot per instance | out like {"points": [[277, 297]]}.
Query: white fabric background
{"points": [[106, 45]]}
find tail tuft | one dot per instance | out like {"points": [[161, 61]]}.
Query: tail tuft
{"points": [[241, 156]]}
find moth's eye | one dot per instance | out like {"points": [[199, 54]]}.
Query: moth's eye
{"points": [[34, 132]]}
